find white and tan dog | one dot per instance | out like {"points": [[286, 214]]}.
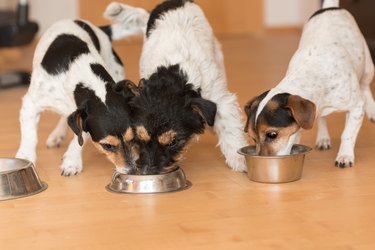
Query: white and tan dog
{"points": [[184, 88], [331, 71]]}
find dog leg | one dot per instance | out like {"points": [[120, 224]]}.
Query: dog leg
{"points": [[72, 159], [323, 140], [365, 86], [228, 127], [354, 118], [29, 119], [58, 135]]}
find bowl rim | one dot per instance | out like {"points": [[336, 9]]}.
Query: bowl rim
{"points": [[109, 188], [307, 150], [26, 165]]}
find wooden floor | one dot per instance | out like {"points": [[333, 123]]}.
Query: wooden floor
{"points": [[329, 208]]}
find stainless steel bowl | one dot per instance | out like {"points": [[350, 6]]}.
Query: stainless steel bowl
{"points": [[275, 169], [18, 178], [145, 184]]}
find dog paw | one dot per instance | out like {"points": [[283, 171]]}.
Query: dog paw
{"points": [[113, 10], [54, 140], [69, 168], [323, 144], [344, 161]]}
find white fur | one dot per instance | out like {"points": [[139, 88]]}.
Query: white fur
{"points": [[55, 92], [332, 67], [184, 37]]}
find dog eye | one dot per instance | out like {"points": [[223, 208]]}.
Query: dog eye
{"points": [[108, 147], [271, 135]]}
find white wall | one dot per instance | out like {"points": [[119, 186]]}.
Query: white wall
{"points": [[286, 13], [46, 12]]}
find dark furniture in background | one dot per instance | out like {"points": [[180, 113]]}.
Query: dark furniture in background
{"points": [[364, 13], [16, 30]]}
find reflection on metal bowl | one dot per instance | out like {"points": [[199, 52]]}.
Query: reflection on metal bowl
{"points": [[146, 184], [275, 169], [18, 178]]}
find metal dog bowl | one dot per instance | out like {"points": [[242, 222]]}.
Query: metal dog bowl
{"points": [[18, 178], [275, 169], [146, 184]]}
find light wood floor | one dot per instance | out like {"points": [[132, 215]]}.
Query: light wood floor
{"points": [[329, 208]]}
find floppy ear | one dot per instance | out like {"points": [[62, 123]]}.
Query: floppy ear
{"points": [[205, 108], [76, 121], [303, 111], [123, 87], [249, 107]]}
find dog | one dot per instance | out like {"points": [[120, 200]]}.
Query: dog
{"points": [[331, 71], [77, 74], [183, 90]]}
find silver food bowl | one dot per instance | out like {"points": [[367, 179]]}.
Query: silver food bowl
{"points": [[275, 169], [146, 184], [18, 178]]}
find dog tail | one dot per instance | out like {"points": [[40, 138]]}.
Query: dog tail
{"points": [[126, 20], [331, 4]]}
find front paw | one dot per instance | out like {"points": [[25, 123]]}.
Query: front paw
{"points": [[323, 144], [69, 167], [344, 161]]}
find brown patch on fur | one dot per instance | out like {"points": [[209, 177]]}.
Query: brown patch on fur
{"points": [[272, 104], [110, 139], [143, 134], [115, 157], [167, 137], [128, 136]]}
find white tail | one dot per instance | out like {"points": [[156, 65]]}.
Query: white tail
{"points": [[126, 20], [330, 3]]}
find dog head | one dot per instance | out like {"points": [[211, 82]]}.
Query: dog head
{"points": [[274, 120], [108, 123], [168, 112]]}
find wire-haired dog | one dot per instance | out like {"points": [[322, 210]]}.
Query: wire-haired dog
{"points": [[184, 88], [75, 71], [331, 71]]}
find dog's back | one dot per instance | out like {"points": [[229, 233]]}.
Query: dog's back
{"points": [[187, 37]]}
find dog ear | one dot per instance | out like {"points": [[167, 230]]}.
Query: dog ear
{"points": [[123, 87], [76, 122], [249, 108], [303, 111], [205, 108]]}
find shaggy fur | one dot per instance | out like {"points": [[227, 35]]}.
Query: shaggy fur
{"points": [[180, 44]]}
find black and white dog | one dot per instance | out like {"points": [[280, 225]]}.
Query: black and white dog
{"points": [[75, 71], [184, 88]]}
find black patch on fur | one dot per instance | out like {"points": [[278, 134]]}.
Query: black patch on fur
{"points": [[167, 102], [107, 30], [324, 10], [90, 31], [162, 8], [101, 72], [62, 52], [281, 117]]}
